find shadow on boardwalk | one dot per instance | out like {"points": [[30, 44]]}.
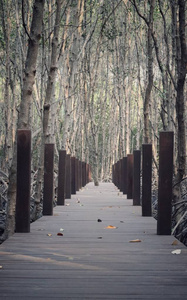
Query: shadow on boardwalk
{"points": [[90, 261]]}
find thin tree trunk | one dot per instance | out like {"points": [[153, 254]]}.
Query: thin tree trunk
{"points": [[180, 101], [46, 137], [150, 75], [147, 100], [180, 54]]}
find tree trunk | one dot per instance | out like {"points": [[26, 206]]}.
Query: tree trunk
{"points": [[180, 101], [46, 137], [150, 74], [23, 118], [6, 26], [181, 54]]}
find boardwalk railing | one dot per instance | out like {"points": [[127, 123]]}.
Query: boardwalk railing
{"points": [[73, 174], [23, 181], [126, 176]]}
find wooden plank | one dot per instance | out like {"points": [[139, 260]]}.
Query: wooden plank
{"points": [[90, 261]]}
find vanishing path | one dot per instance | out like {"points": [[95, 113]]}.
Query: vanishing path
{"points": [[90, 261]]}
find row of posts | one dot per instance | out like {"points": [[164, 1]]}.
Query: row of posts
{"points": [[127, 173], [73, 174]]}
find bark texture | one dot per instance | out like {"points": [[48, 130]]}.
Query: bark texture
{"points": [[23, 118]]}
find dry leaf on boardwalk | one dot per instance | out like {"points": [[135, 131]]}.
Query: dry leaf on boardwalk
{"points": [[49, 234], [60, 233], [175, 242], [135, 241], [178, 251], [110, 227]]}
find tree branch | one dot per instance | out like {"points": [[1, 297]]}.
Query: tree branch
{"points": [[23, 20], [138, 12]]}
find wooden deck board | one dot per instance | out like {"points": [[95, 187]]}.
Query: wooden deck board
{"points": [[90, 261]]}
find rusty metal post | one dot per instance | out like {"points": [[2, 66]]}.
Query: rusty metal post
{"points": [[136, 177], [114, 180], [61, 177], [118, 163], [23, 180], [68, 177], [129, 176], [73, 176], [121, 174], [112, 173], [83, 180], [84, 173], [90, 174], [82, 167], [113, 168], [146, 180], [117, 174], [76, 175], [48, 180], [125, 175], [165, 183], [80, 174]]}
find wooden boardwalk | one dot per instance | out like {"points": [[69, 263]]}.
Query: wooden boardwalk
{"points": [[91, 261]]}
